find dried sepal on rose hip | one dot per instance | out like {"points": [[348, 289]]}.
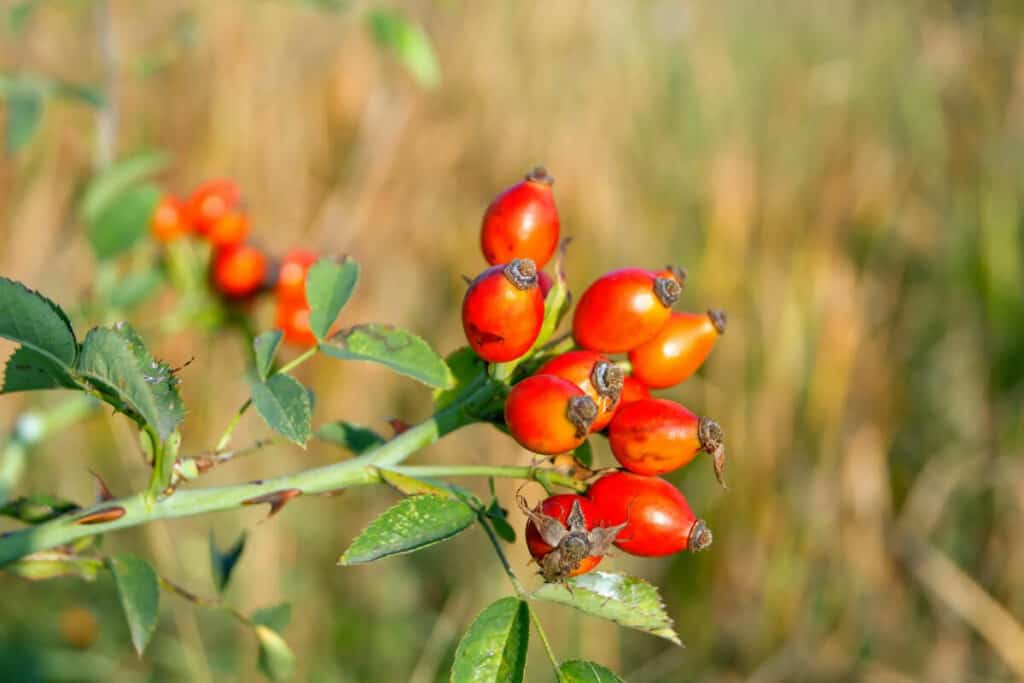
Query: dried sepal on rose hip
{"points": [[503, 310], [598, 377], [522, 222], [564, 537], [548, 414], [624, 308], [678, 350], [655, 517], [655, 436]]}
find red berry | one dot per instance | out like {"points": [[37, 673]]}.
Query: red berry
{"points": [[239, 270], [548, 414], [654, 436], [230, 229], [293, 321], [658, 519], [522, 222], [503, 310], [559, 507], [598, 377], [211, 201], [291, 276], [169, 221], [678, 350], [623, 309], [633, 390]]}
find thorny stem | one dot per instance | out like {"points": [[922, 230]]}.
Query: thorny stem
{"points": [[137, 509]]}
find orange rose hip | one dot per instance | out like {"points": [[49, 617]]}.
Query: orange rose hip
{"points": [[522, 222], [503, 310], [623, 309], [676, 352]]}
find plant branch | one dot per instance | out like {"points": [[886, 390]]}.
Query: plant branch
{"points": [[135, 510]]}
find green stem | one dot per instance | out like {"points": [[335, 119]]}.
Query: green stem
{"points": [[534, 473], [547, 645], [225, 438], [133, 510], [297, 361]]}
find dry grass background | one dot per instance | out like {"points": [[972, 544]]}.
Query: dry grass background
{"points": [[846, 178]]}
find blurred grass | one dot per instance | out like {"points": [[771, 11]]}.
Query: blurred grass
{"points": [[845, 178]]}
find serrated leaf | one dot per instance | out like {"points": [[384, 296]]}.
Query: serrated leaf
{"points": [[275, 617], [409, 43], [118, 363], [123, 220], [350, 436], [400, 350], [493, 650], [276, 660], [265, 346], [465, 366], [626, 600], [51, 565], [29, 318], [28, 370], [116, 179], [412, 524], [135, 288], [578, 671], [285, 405], [37, 509], [139, 591], [329, 286], [223, 563], [24, 114]]}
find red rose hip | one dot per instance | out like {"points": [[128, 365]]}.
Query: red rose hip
{"points": [[548, 414], [658, 520], [522, 222], [239, 271], [654, 435], [623, 309], [211, 201], [169, 221], [598, 377], [291, 275], [503, 310], [676, 352]]}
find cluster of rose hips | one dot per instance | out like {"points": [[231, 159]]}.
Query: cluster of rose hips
{"points": [[585, 391], [239, 270]]}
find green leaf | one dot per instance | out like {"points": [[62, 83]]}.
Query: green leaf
{"points": [[284, 404], [277, 662], [135, 288], [123, 221], [465, 366], [401, 351], [329, 286], [223, 563], [117, 362], [34, 321], [409, 43], [28, 370], [350, 436], [493, 650], [24, 114], [139, 592], [266, 346], [584, 454], [50, 565], [626, 600], [115, 180], [499, 520], [37, 509], [412, 524], [275, 617], [578, 671]]}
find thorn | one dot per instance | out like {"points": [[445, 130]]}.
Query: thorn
{"points": [[102, 492], [276, 500], [102, 516], [398, 425]]}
